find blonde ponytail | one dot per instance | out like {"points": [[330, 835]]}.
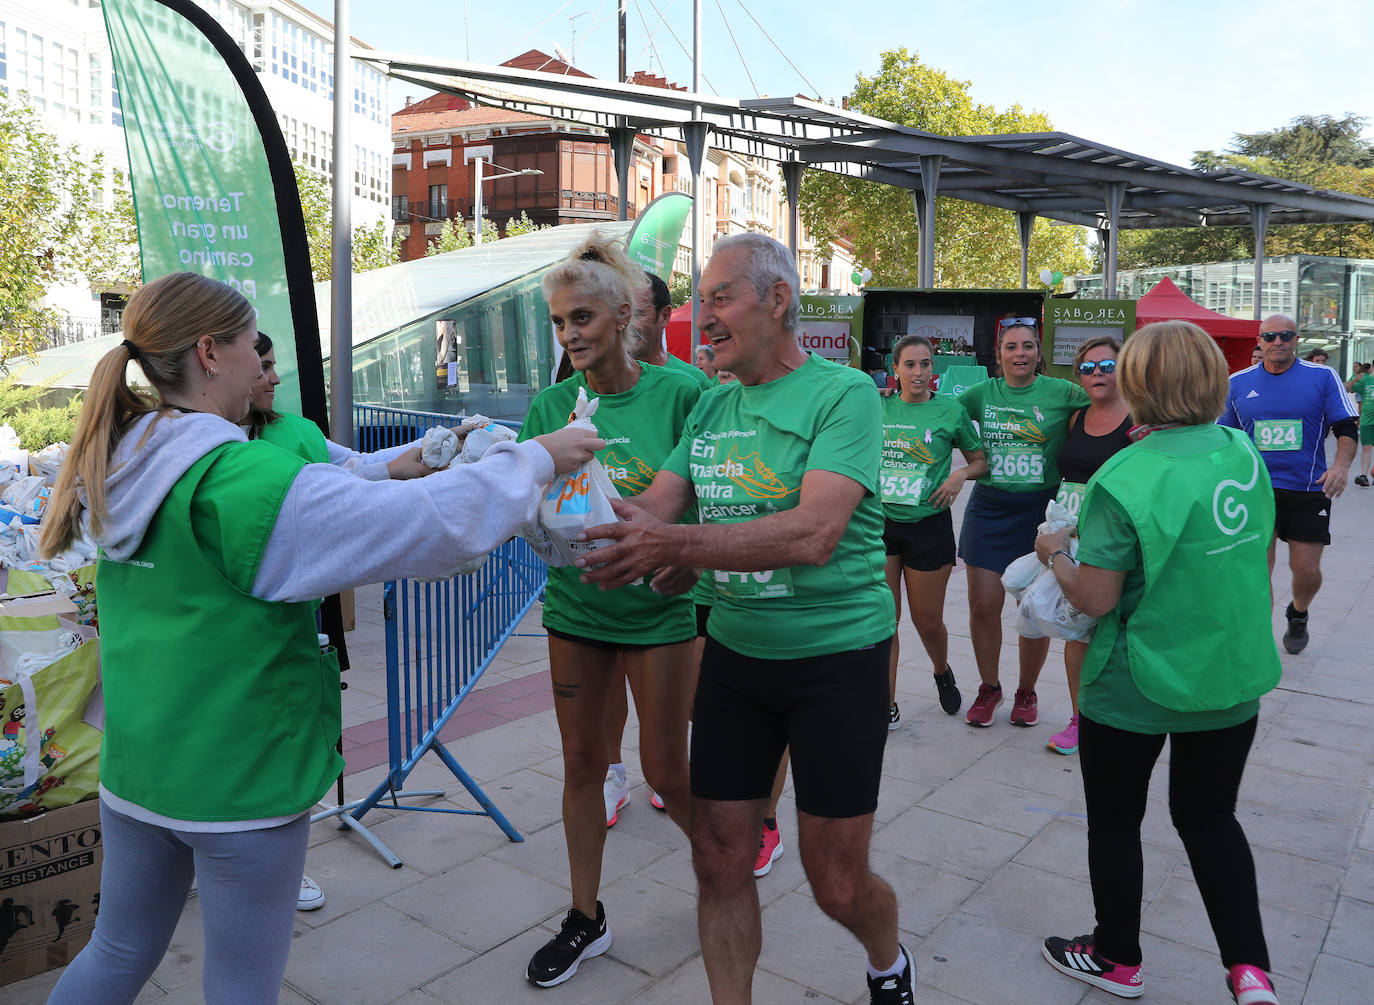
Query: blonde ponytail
{"points": [[162, 324]]}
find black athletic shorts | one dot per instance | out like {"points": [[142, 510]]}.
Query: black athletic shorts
{"points": [[1302, 516], [703, 616], [831, 710], [926, 545]]}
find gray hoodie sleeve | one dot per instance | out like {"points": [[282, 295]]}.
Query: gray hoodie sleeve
{"points": [[336, 530], [371, 466]]}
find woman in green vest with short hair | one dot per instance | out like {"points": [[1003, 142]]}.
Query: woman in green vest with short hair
{"points": [[1173, 562], [222, 715]]}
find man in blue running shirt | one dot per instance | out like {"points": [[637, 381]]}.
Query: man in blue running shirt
{"points": [[1287, 405]]}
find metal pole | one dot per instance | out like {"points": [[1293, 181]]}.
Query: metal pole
{"points": [[1259, 219], [930, 184], [341, 243], [622, 40], [1025, 223], [1116, 192], [698, 162], [477, 200]]}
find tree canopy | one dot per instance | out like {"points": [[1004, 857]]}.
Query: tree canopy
{"points": [[1318, 150], [373, 247], [45, 209], [975, 246]]}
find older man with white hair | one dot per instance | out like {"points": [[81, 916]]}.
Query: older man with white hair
{"points": [[782, 465]]}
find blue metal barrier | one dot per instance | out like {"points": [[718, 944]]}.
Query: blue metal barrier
{"points": [[440, 639]]}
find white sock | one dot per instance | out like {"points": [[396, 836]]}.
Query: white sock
{"points": [[619, 770], [892, 971]]}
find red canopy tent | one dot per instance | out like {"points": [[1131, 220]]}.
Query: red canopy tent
{"points": [[1166, 302], [681, 342]]}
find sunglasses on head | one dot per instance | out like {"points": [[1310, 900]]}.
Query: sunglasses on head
{"points": [[1104, 366], [1287, 336], [1016, 323]]}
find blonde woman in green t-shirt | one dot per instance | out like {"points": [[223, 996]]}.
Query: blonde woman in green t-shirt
{"points": [[593, 633]]}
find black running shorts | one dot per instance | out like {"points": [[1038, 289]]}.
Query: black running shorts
{"points": [[1302, 516], [831, 710], [926, 545]]}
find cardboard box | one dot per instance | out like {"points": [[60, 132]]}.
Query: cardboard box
{"points": [[49, 888], [37, 606]]}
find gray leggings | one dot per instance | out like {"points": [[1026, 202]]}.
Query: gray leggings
{"points": [[248, 884]]}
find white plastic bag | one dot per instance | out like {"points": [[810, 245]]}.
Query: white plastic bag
{"points": [[48, 461], [1046, 613], [1021, 573], [438, 447], [480, 439], [574, 501]]}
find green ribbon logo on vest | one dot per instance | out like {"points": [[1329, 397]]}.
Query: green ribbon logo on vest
{"points": [[1229, 505]]}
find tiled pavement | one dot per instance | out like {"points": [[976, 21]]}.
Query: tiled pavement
{"points": [[981, 832]]}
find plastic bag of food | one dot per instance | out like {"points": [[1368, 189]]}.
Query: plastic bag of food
{"points": [[482, 436], [1021, 573], [1046, 613], [576, 500], [48, 461], [438, 447]]}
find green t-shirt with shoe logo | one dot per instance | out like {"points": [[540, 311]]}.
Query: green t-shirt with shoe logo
{"points": [[918, 443], [745, 451], [1022, 429], [640, 427]]}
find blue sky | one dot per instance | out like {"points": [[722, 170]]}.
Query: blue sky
{"points": [[1160, 78]]}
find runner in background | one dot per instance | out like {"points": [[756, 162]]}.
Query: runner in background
{"points": [[652, 312], [1362, 386], [641, 413], [706, 362], [920, 432], [1286, 406], [1095, 434], [1022, 418]]}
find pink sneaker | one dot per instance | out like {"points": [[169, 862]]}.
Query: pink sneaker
{"points": [[1250, 986], [770, 850], [1066, 740]]}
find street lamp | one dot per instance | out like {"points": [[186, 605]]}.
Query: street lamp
{"points": [[477, 191]]}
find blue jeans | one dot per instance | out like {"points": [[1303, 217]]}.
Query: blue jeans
{"points": [[248, 883]]}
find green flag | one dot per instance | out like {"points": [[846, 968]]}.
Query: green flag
{"points": [[657, 233], [214, 191]]}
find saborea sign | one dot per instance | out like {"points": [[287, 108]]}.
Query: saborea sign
{"points": [[1070, 323], [831, 326]]}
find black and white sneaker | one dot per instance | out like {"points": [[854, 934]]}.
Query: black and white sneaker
{"points": [[950, 698], [579, 939], [894, 717], [1295, 639], [1078, 958], [896, 989]]}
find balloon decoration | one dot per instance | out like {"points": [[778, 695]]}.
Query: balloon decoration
{"points": [[1057, 277], [1047, 277], [867, 274], [857, 276]]}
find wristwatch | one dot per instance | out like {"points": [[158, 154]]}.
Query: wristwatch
{"points": [[1061, 551]]}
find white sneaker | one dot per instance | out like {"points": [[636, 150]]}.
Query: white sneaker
{"points": [[312, 897], [617, 793]]}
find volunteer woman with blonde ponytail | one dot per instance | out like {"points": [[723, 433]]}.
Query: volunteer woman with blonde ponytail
{"points": [[211, 560]]}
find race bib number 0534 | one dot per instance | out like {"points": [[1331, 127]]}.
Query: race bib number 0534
{"points": [[904, 487]]}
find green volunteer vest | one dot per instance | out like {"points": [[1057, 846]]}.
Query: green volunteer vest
{"points": [[219, 706], [298, 435], [1204, 523]]}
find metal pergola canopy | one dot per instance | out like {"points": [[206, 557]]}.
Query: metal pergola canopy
{"points": [[1053, 175]]}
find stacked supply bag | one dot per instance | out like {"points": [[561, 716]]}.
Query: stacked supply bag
{"points": [[51, 720]]}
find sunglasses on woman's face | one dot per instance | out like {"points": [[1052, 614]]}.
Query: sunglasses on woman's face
{"points": [[1016, 323], [1287, 336], [1104, 366]]}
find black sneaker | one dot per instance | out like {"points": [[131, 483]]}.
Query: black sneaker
{"points": [[1295, 639], [1362, 480], [1078, 959], [950, 698], [894, 717], [579, 939], [895, 990]]}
